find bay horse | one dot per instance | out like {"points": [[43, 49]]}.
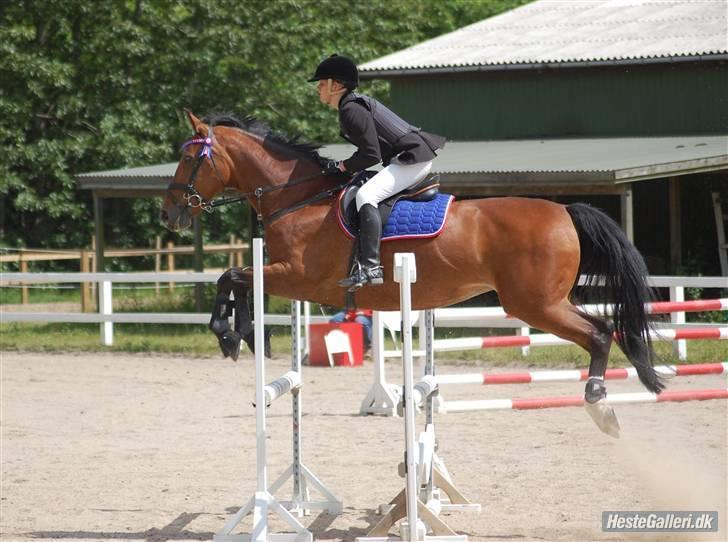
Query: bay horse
{"points": [[530, 251]]}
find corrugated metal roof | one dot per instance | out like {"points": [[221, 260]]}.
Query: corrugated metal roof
{"points": [[159, 170], [603, 161], [572, 31], [619, 157]]}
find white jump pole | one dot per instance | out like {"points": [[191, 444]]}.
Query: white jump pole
{"points": [[307, 327], [264, 501], [440, 493], [405, 272], [407, 503], [106, 307], [303, 477], [382, 398], [679, 347], [262, 497]]}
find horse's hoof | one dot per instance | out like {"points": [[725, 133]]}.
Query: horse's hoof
{"points": [[604, 416], [230, 344]]}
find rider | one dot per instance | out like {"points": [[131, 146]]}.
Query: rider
{"points": [[380, 136]]}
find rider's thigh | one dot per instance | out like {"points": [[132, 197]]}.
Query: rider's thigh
{"points": [[392, 179]]}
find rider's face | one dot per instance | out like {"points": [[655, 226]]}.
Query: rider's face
{"points": [[329, 91], [323, 90]]}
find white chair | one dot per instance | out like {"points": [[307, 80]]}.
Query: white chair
{"points": [[337, 342]]}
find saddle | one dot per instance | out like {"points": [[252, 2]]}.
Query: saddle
{"points": [[425, 190]]}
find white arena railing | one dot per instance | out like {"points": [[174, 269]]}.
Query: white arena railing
{"points": [[446, 317], [107, 318], [382, 398]]}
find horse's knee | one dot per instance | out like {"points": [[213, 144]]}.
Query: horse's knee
{"points": [[235, 277]]}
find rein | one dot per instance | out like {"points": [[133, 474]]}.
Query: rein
{"points": [[194, 199], [275, 215]]}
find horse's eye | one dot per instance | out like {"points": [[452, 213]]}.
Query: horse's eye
{"points": [[187, 158]]}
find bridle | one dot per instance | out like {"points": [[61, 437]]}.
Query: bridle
{"points": [[194, 199]]}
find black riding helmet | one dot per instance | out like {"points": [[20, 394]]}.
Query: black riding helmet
{"points": [[340, 68]]}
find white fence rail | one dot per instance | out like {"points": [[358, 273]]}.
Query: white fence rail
{"points": [[106, 317], [495, 317], [457, 317]]}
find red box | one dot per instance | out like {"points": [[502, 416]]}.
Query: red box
{"points": [[318, 355]]}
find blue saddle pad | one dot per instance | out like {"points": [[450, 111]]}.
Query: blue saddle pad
{"points": [[416, 219]]}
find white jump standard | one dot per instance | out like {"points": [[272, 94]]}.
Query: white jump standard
{"points": [[380, 397], [418, 456], [264, 500], [383, 397]]}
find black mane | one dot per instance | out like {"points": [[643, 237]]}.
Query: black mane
{"points": [[257, 127]]}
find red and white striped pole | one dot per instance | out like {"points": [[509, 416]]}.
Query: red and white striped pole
{"points": [[698, 305], [572, 401], [577, 375], [658, 307], [475, 343]]}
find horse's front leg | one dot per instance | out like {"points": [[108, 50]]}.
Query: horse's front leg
{"points": [[239, 281]]}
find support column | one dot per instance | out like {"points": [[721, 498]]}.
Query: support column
{"points": [[199, 264], [627, 208], [675, 224], [99, 232]]}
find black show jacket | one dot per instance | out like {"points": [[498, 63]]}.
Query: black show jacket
{"points": [[380, 135]]}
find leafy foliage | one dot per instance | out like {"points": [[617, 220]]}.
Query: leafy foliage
{"points": [[88, 87]]}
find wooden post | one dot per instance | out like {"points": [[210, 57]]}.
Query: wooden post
{"points": [[232, 255], [157, 261], [170, 263], [85, 297], [94, 268], [99, 232], [24, 288], [199, 263], [92, 287]]}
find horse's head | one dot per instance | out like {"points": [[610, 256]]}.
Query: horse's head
{"points": [[203, 172]]}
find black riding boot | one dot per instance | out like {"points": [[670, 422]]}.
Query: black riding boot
{"points": [[369, 271]]}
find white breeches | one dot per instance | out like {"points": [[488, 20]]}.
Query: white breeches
{"points": [[392, 179]]}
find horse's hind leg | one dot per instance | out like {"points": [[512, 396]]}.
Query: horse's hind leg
{"points": [[595, 392], [593, 334]]}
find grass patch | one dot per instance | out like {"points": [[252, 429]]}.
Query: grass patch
{"points": [[197, 341], [41, 294], [191, 340]]}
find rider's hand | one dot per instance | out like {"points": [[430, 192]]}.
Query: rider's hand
{"points": [[332, 167]]}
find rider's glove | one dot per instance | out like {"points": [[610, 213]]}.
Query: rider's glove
{"points": [[331, 167]]}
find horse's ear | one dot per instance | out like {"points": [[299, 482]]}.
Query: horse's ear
{"points": [[197, 125]]}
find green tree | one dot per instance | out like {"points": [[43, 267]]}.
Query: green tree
{"points": [[88, 86]]}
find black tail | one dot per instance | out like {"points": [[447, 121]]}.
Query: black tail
{"points": [[606, 252]]}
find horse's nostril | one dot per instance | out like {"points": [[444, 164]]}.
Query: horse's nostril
{"points": [[163, 214]]}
